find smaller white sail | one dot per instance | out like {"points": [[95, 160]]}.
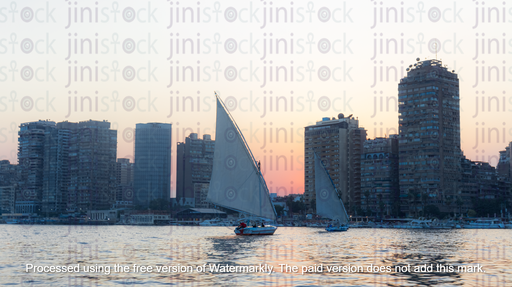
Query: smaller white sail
{"points": [[328, 200]]}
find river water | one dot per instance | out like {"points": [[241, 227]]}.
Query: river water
{"points": [[485, 254]]}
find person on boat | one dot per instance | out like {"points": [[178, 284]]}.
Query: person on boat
{"points": [[262, 224], [242, 225], [330, 225]]}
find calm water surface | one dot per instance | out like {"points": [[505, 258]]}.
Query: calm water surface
{"points": [[297, 246]]}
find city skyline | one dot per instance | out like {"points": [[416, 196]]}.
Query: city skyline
{"points": [[270, 160], [71, 167], [307, 62], [312, 85]]}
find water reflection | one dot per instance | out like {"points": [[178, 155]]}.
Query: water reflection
{"points": [[292, 246]]}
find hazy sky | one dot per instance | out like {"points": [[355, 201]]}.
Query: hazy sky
{"points": [[278, 65]]}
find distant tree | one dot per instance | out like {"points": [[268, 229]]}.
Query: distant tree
{"points": [[396, 209], [381, 205], [279, 209], [484, 207], [432, 211], [357, 210], [367, 207], [159, 204], [298, 206], [411, 196], [471, 213], [459, 203], [295, 206], [424, 201]]}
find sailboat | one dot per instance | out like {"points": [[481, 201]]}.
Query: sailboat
{"points": [[237, 182], [328, 199]]}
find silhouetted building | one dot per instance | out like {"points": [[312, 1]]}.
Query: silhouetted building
{"points": [[339, 143], [55, 171], [8, 184], [194, 169], [429, 144], [480, 182], [379, 176], [152, 172], [8, 173], [32, 141], [92, 165], [7, 199], [505, 175], [505, 162], [124, 178]]}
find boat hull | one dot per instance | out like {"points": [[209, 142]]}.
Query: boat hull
{"points": [[485, 224], [336, 229], [248, 231], [495, 226]]}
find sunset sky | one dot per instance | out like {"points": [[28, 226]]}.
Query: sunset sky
{"points": [[279, 66]]}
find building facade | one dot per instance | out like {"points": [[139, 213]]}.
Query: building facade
{"points": [[194, 169], [124, 178], [33, 140], [66, 167], [8, 185], [481, 185], [7, 199], [91, 165], [8, 173], [429, 143], [55, 171], [379, 177], [152, 167], [505, 162], [339, 143]]}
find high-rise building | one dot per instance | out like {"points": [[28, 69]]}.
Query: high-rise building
{"points": [[194, 169], [55, 171], [379, 176], [505, 163], [68, 167], [8, 185], [8, 173], [339, 143], [504, 169], [152, 171], [124, 171], [7, 199], [92, 165], [429, 144], [124, 178], [481, 182], [32, 142]]}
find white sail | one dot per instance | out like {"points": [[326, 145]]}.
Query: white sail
{"points": [[236, 181], [328, 202]]}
